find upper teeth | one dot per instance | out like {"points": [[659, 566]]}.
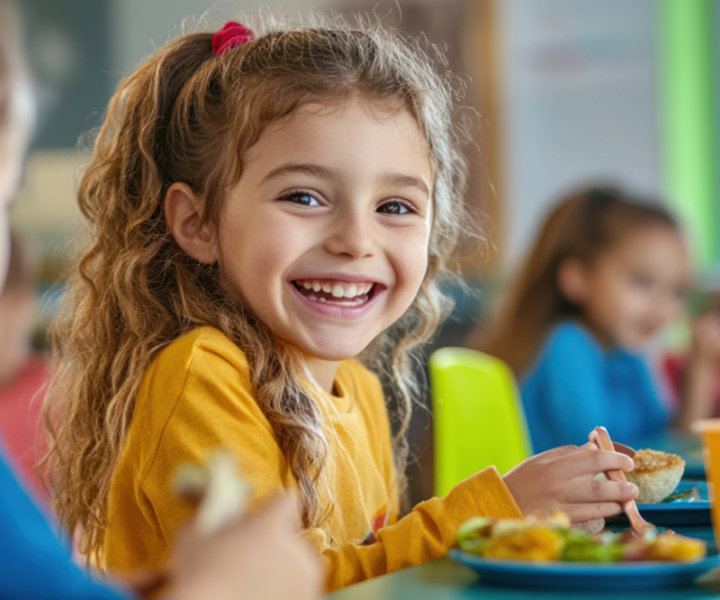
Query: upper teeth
{"points": [[337, 289]]}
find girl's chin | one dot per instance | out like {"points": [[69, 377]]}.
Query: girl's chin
{"points": [[334, 348], [637, 343], [332, 354]]}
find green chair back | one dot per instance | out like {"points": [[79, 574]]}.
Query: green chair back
{"points": [[478, 419]]}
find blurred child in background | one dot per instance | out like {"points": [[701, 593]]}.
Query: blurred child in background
{"points": [[606, 274], [22, 373]]}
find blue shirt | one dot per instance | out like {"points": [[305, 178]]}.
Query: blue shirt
{"points": [[575, 385], [34, 565]]}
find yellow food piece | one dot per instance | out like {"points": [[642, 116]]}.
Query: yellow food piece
{"points": [[673, 547], [539, 544]]}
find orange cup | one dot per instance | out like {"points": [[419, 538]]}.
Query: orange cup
{"points": [[709, 430]]}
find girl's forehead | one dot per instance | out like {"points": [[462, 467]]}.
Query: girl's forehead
{"points": [[658, 247], [649, 239], [384, 111], [332, 130]]}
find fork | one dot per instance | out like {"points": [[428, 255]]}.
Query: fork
{"points": [[601, 438]]}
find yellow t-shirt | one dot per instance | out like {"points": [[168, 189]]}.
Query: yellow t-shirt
{"points": [[196, 396]]}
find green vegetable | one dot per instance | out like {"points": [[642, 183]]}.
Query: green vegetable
{"points": [[691, 495], [580, 547], [474, 534]]}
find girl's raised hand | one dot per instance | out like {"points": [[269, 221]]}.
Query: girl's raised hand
{"points": [[706, 338], [564, 479], [698, 398]]}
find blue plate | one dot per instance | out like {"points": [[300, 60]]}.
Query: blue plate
{"points": [[586, 576], [676, 513]]}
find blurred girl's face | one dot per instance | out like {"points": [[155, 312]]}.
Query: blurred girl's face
{"points": [[10, 170], [14, 136], [637, 287]]}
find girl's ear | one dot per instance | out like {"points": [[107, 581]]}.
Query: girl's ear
{"points": [[184, 219], [572, 279]]}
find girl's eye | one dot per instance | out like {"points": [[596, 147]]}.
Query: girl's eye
{"points": [[396, 207], [301, 198]]}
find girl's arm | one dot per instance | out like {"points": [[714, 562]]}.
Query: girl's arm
{"points": [[699, 397], [426, 533], [560, 479]]}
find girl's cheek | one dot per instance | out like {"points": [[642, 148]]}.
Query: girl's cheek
{"points": [[417, 261]]}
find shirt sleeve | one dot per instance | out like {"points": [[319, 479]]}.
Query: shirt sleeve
{"points": [[33, 562], [427, 533]]}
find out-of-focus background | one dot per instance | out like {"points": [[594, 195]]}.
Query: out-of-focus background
{"points": [[561, 93]]}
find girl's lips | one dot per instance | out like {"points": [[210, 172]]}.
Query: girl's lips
{"points": [[336, 310]]}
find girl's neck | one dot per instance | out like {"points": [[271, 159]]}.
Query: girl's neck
{"points": [[323, 371]]}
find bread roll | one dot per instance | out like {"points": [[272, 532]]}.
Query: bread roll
{"points": [[656, 474]]}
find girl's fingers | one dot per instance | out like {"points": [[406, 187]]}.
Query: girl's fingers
{"points": [[590, 527], [591, 511], [555, 453], [587, 461], [600, 490]]}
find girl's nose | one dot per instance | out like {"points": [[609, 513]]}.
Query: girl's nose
{"points": [[351, 234]]}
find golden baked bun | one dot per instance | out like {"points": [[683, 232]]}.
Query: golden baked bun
{"points": [[656, 474]]}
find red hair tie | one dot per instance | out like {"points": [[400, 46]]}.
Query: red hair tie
{"points": [[232, 34]]}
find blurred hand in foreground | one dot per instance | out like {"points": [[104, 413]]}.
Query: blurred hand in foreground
{"points": [[260, 556]]}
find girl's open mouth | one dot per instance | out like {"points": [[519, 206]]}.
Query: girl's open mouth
{"points": [[339, 293]]}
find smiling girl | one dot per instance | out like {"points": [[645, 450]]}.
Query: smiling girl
{"points": [[262, 210]]}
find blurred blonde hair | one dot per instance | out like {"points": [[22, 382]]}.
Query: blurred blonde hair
{"points": [[188, 115], [584, 225]]}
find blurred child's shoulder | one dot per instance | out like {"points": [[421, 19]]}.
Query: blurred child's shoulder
{"points": [[569, 334]]}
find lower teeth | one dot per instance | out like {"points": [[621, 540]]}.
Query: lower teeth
{"points": [[346, 301]]}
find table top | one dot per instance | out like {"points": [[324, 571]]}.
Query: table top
{"points": [[444, 579]]}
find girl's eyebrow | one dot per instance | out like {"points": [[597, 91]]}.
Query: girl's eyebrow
{"points": [[396, 179], [305, 169], [401, 180]]}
